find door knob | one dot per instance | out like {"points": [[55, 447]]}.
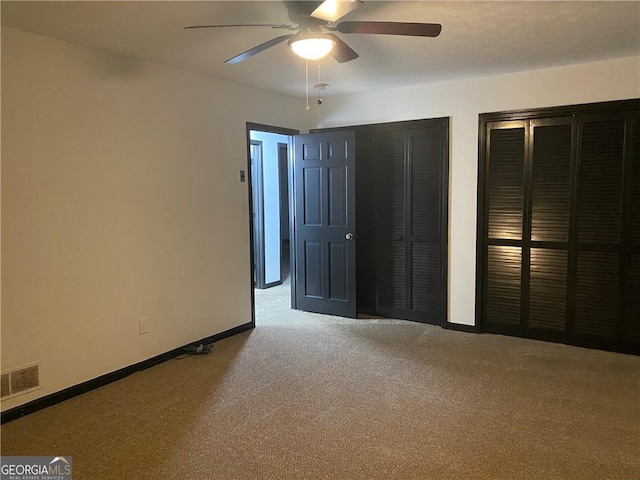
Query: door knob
{"points": [[350, 236], [399, 237]]}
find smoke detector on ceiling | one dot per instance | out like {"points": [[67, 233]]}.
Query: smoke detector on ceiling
{"points": [[322, 87]]}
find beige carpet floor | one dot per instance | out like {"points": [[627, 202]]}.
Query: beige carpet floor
{"points": [[307, 396]]}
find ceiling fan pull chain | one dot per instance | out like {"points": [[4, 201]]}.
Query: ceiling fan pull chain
{"points": [[306, 68]]}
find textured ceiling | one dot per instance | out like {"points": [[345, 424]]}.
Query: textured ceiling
{"points": [[478, 38]]}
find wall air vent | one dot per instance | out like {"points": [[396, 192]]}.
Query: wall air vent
{"points": [[20, 380]]}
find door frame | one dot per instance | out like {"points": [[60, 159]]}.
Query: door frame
{"points": [[257, 207], [282, 131], [283, 157]]}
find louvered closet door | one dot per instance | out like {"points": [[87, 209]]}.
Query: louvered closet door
{"points": [[391, 282], [562, 225], [631, 254], [424, 250], [505, 201], [552, 150], [607, 285], [599, 227], [409, 223], [528, 224]]}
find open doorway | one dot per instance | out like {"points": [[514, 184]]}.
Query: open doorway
{"points": [[320, 194], [270, 150], [401, 270]]}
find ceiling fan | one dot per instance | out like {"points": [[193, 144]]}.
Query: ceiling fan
{"points": [[314, 27]]}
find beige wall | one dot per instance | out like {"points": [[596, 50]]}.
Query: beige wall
{"points": [[463, 101], [121, 199]]}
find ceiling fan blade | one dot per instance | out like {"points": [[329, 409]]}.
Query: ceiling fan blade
{"points": [[391, 28], [332, 10], [260, 48], [341, 51], [272, 25], [299, 11]]}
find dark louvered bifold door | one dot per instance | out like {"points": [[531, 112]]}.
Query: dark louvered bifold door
{"points": [[630, 329], [599, 223], [390, 210], [505, 189], [529, 192], [560, 230], [411, 223], [552, 151], [424, 269]]}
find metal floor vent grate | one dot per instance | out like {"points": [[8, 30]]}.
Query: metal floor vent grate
{"points": [[20, 380]]}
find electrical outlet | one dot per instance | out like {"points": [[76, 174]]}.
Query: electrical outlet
{"points": [[143, 325]]}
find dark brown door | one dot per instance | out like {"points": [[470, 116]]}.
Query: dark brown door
{"points": [[324, 222], [560, 251], [411, 222]]}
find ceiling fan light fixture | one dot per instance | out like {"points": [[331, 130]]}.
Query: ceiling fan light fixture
{"points": [[311, 47]]}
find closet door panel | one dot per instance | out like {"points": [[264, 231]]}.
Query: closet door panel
{"points": [[551, 182], [365, 224], [505, 182], [548, 289], [631, 310], [635, 195], [600, 181], [597, 294], [503, 285], [425, 197], [426, 192], [390, 220], [505, 199], [425, 278], [391, 277], [551, 161], [631, 322], [599, 227]]}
